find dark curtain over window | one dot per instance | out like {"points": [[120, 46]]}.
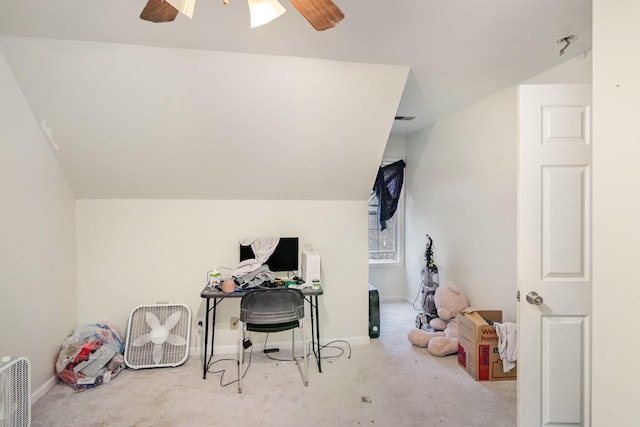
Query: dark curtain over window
{"points": [[387, 189]]}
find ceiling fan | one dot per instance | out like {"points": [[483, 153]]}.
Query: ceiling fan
{"points": [[321, 14]]}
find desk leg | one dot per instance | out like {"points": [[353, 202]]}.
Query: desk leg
{"points": [[315, 329], [317, 332], [206, 334], [213, 328], [207, 361]]}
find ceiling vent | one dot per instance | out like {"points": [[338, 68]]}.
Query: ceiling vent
{"points": [[404, 118]]}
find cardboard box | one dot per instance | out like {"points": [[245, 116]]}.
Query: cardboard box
{"points": [[478, 346]]}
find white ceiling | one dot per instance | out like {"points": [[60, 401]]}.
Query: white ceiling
{"points": [[456, 52]]}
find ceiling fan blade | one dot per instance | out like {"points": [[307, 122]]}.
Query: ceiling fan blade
{"points": [[158, 11], [321, 14]]}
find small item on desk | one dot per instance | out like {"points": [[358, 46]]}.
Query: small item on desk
{"points": [[213, 277], [314, 285], [228, 286]]}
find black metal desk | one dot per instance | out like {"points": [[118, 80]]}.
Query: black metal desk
{"points": [[211, 293]]}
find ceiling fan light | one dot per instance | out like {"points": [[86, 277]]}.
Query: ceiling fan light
{"points": [[185, 7], [264, 11]]}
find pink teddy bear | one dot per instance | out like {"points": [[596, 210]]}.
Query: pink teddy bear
{"points": [[449, 301]]}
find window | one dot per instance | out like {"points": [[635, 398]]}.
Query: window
{"points": [[385, 246]]}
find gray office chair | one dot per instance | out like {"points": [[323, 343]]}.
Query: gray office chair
{"points": [[273, 310]]}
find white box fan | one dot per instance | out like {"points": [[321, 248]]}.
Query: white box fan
{"points": [[15, 392], [158, 336]]}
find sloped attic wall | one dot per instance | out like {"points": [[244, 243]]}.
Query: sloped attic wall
{"points": [[38, 304], [145, 122]]}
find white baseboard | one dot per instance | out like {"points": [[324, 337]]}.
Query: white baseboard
{"points": [[392, 298], [230, 349], [44, 388]]}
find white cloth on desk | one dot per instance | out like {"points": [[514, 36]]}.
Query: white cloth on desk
{"points": [[507, 344], [262, 248]]}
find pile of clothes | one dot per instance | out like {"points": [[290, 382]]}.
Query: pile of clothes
{"points": [[252, 272], [92, 355]]}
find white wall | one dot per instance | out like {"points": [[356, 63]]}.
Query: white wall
{"points": [[37, 244], [616, 212], [133, 252], [461, 190], [389, 280]]}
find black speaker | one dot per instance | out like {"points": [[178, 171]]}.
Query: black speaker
{"points": [[374, 312]]}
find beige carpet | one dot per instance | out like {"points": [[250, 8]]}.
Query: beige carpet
{"points": [[386, 383]]}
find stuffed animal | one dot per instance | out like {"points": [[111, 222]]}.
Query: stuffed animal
{"points": [[449, 301]]}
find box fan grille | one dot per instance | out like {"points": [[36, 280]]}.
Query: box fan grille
{"points": [[15, 392], [158, 336]]}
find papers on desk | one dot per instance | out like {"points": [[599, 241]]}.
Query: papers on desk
{"points": [[314, 285]]}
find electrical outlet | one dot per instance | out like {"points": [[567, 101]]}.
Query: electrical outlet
{"points": [[233, 323], [200, 322]]}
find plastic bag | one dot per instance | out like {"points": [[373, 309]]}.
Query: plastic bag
{"points": [[91, 356]]}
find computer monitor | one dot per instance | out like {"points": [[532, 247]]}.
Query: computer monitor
{"points": [[284, 257]]}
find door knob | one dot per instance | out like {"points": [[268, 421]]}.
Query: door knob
{"points": [[534, 298]]}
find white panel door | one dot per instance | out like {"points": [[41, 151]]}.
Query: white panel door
{"points": [[554, 255]]}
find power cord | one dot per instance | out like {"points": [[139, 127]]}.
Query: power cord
{"points": [[199, 338], [330, 345], [222, 372], [418, 293], [268, 353]]}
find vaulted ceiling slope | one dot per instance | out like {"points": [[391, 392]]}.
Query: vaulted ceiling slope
{"points": [[208, 108], [129, 121]]}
